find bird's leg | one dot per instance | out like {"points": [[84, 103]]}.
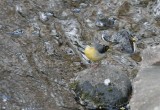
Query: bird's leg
{"points": [[95, 65]]}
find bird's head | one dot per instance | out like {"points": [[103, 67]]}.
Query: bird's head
{"points": [[106, 47]]}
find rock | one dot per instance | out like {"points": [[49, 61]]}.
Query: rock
{"points": [[105, 23], [136, 57], [156, 10], [150, 56], [134, 73], [146, 90], [105, 35], [42, 42], [16, 33], [141, 45], [124, 8], [93, 93], [44, 16], [27, 83], [144, 3], [123, 41]]}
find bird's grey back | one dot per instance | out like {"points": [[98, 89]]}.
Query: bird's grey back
{"points": [[101, 48]]}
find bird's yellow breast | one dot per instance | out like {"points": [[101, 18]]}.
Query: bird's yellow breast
{"points": [[92, 54]]}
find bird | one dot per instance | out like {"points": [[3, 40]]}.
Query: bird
{"points": [[96, 52]]}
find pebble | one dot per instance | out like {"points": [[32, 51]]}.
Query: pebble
{"points": [[17, 32], [105, 23], [107, 82], [136, 57]]}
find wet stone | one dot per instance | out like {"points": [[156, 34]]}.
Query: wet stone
{"points": [[76, 10], [156, 11], [49, 47], [105, 23], [75, 3], [16, 33], [141, 45], [136, 57], [124, 9], [144, 3], [157, 22], [91, 91], [124, 41], [134, 73], [44, 16], [69, 51], [106, 36]]}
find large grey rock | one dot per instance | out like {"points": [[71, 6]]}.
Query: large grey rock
{"points": [[93, 92], [146, 92], [146, 95], [123, 41]]}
